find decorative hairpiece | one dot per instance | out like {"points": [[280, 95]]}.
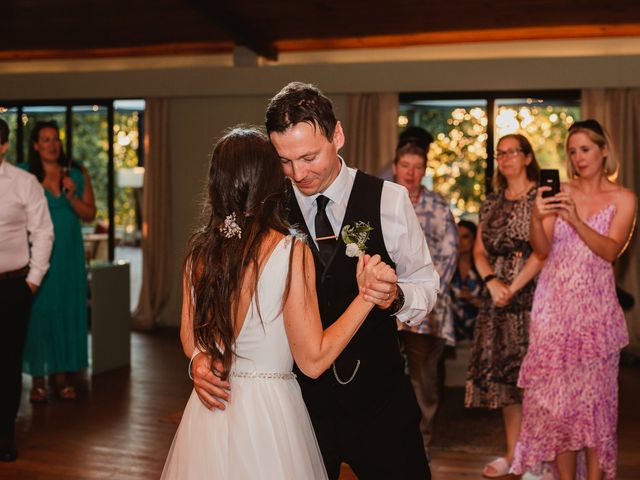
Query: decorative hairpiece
{"points": [[230, 228]]}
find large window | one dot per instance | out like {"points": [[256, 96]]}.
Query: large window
{"points": [[103, 136], [543, 122], [467, 127], [85, 134]]}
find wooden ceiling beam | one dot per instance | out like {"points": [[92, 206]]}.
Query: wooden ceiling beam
{"points": [[193, 48], [461, 36], [238, 29]]}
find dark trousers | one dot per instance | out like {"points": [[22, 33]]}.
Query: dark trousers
{"points": [[424, 354], [15, 306], [383, 442]]}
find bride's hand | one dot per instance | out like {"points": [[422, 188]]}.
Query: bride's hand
{"points": [[376, 280]]}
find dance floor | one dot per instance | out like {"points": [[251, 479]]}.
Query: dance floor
{"points": [[122, 424]]}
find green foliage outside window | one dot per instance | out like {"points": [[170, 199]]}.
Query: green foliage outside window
{"points": [[457, 159], [545, 127], [10, 117], [127, 141], [90, 149]]}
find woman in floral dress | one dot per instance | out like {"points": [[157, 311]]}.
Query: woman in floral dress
{"points": [[503, 258], [570, 373]]}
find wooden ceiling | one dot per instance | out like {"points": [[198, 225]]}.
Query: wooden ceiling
{"points": [[45, 29]]}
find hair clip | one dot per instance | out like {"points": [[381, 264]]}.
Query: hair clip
{"points": [[230, 228], [589, 124]]}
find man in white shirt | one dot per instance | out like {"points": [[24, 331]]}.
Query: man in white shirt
{"points": [[363, 409], [24, 220]]}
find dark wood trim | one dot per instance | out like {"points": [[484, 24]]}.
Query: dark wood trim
{"points": [[569, 95], [111, 184], [139, 51], [489, 170], [19, 136], [461, 36], [242, 35], [239, 29], [68, 119]]}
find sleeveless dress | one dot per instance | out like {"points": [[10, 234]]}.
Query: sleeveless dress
{"points": [[265, 431], [57, 340], [570, 373], [500, 336]]}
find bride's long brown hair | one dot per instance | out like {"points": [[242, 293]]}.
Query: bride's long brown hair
{"points": [[245, 179]]}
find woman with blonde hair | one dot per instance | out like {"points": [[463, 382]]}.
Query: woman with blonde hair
{"points": [[570, 372]]}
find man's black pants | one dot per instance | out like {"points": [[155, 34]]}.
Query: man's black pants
{"points": [[15, 306]]}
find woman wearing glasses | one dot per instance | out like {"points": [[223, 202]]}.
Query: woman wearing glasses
{"points": [[504, 260], [570, 372]]}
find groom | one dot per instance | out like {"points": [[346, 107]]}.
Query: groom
{"points": [[363, 409]]}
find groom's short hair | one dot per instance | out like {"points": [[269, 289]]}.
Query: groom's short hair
{"points": [[300, 102]]}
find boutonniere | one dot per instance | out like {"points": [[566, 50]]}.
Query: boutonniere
{"points": [[355, 237]]}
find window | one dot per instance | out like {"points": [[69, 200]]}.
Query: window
{"points": [[467, 127], [114, 162], [543, 122], [457, 159]]}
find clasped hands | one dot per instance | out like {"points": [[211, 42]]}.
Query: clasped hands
{"points": [[376, 281], [500, 292]]}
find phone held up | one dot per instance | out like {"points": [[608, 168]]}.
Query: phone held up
{"points": [[550, 178]]}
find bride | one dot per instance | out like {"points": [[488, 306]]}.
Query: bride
{"points": [[249, 302]]}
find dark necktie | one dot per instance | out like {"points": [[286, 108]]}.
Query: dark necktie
{"points": [[325, 238]]}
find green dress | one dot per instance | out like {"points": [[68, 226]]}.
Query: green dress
{"points": [[57, 338]]}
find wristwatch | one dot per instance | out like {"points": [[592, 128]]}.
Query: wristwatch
{"points": [[398, 303], [488, 278]]}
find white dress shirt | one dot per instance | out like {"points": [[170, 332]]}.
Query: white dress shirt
{"points": [[24, 219], [402, 234]]}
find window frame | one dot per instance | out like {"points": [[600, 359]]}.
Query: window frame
{"points": [[491, 97], [68, 104]]}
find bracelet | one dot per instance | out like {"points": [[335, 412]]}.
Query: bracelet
{"points": [[488, 278], [196, 352]]}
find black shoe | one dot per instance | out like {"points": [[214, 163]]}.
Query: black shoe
{"points": [[8, 453]]}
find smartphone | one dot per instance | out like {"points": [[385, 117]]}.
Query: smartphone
{"points": [[550, 178]]}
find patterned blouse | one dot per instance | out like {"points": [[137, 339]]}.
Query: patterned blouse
{"points": [[464, 311], [441, 233]]}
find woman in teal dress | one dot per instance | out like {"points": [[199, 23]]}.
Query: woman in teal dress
{"points": [[57, 338]]}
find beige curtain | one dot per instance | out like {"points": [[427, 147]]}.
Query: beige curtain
{"points": [[619, 111], [156, 214], [373, 130]]}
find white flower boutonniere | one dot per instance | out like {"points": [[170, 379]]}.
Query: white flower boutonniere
{"points": [[355, 237]]}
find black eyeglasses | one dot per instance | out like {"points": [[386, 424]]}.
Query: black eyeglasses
{"points": [[589, 124]]}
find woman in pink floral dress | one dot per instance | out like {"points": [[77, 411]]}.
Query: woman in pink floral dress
{"points": [[570, 371]]}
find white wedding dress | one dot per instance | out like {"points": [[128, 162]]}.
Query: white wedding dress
{"points": [[265, 431]]}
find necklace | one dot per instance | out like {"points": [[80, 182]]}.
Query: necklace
{"points": [[516, 195]]}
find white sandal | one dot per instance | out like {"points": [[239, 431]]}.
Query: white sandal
{"points": [[500, 468]]}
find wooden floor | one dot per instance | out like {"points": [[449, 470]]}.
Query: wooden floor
{"points": [[123, 422]]}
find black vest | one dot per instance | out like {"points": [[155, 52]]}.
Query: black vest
{"points": [[376, 342]]}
